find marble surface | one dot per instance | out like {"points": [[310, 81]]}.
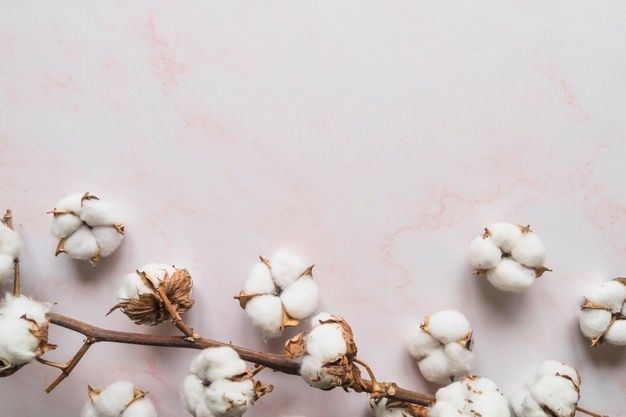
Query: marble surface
{"points": [[375, 139]]}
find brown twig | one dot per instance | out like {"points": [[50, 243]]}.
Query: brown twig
{"points": [[8, 220], [174, 316], [278, 363], [67, 368], [589, 412]]}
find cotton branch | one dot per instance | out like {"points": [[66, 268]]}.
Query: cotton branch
{"points": [[275, 362]]}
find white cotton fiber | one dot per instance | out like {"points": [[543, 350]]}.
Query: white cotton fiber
{"points": [[313, 374], [140, 408], [260, 280], [616, 335], [21, 305], [609, 295], [601, 318], [301, 298], [529, 251], [88, 410], [505, 236], [72, 202], [10, 242], [266, 314], [107, 239], [441, 346], [509, 275], [380, 408], [483, 254], [217, 363], [81, 244], [594, 322], [192, 397], [99, 213], [286, 268], [64, 225], [470, 397], [326, 342], [113, 400], [6, 267], [229, 398]]}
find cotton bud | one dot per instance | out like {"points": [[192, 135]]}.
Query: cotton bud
{"points": [[603, 315], [471, 397], [87, 228], [120, 399], [23, 332], [140, 298], [220, 385], [279, 293], [383, 407], [329, 353], [10, 245], [510, 256], [442, 346], [552, 390]]}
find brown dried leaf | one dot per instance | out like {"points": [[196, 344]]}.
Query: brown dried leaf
{"points": [[145, 309], [88, 196], [466, 341], [93, 393], [60, 247], [540, 270], [178, 289], [294, 347], [307, 272], [244, 298], [524, 229], [620, 280], [486, 233], [261, 389], [119, 227], [287, 320]]}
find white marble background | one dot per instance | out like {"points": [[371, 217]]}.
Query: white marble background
{"points": [[374, 138]]}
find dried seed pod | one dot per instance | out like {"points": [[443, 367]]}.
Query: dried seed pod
{"points": [[139, 298], [23, 332], [87, 228], [472, 396], [510, 256], [10, 245], [603, 314], [279, 293], [120, 399], [442, 346], [220, 385], [553, 390]]}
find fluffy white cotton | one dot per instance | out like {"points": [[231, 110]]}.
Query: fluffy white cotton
{"points": [[510, 256], [283, 282], [89, 228], [216, 386], [440, 346], [21, 305], [381, 408], [10, 245], [551, 390], [601, 317], [470, 397], [132, 284], [119, 399], [266, 313], [326, 342], [312, 371], [510, 275]]}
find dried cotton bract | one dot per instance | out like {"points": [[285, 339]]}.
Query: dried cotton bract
{"points": [[383, 407], [553, 390], [442, 346], [140, 290], [603, 315], [510, 256], [23, 332], [471, 397], [279, 293], [220, 385], [87, 228], [120, 399], [10, 245]]}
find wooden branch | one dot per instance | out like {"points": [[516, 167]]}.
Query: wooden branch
{"points": [[278, 363], [67, 368]]}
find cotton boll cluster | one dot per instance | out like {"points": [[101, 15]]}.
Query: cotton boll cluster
{"points": [[383, 407], [120, 399], [87, 228], [23, 332], [552, 390], [603, 315], [140, 298], [471, 397], [279, 293], [442, 346], [220, 385], [10, 245], [510, 256], [329, 351]]}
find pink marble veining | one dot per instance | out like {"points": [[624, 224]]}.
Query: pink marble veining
{"points": [[374, 138]]}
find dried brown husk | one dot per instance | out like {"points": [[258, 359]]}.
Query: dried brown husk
{"points": [[294, 347], [148, 308]]}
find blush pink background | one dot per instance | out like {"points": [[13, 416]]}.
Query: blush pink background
{"points": [[375, 139]]}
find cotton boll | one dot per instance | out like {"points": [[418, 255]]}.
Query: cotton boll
{"points": [[266, 313], [434, 367], [609, 295], [140, 408], [18, 345], [525, 406], [88, 410], [99, 213], [286, 268], [511, 276], [460, 360], [471, 397], [10, 242], [229, 398], [529, 251], [108, 239], [6, 267], [421, 343], [81, 244], [556, 393], [551, 368], [318, 319], [300, 298], [326, 342], [114, 399], [217, 363], [192, 397], [132, 286], [616, 335], [72, 202], [21, 305], [64, 225], [260, 280], [505, 235], [483, 254], [594, 322], [312, 372], [448, 326]]}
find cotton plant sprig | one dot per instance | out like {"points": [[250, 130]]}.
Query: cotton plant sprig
{"points": [[120, 399], [278, 293], [442, 346], [87, 227], [603, 314], [220, 384], [511, 257]]}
